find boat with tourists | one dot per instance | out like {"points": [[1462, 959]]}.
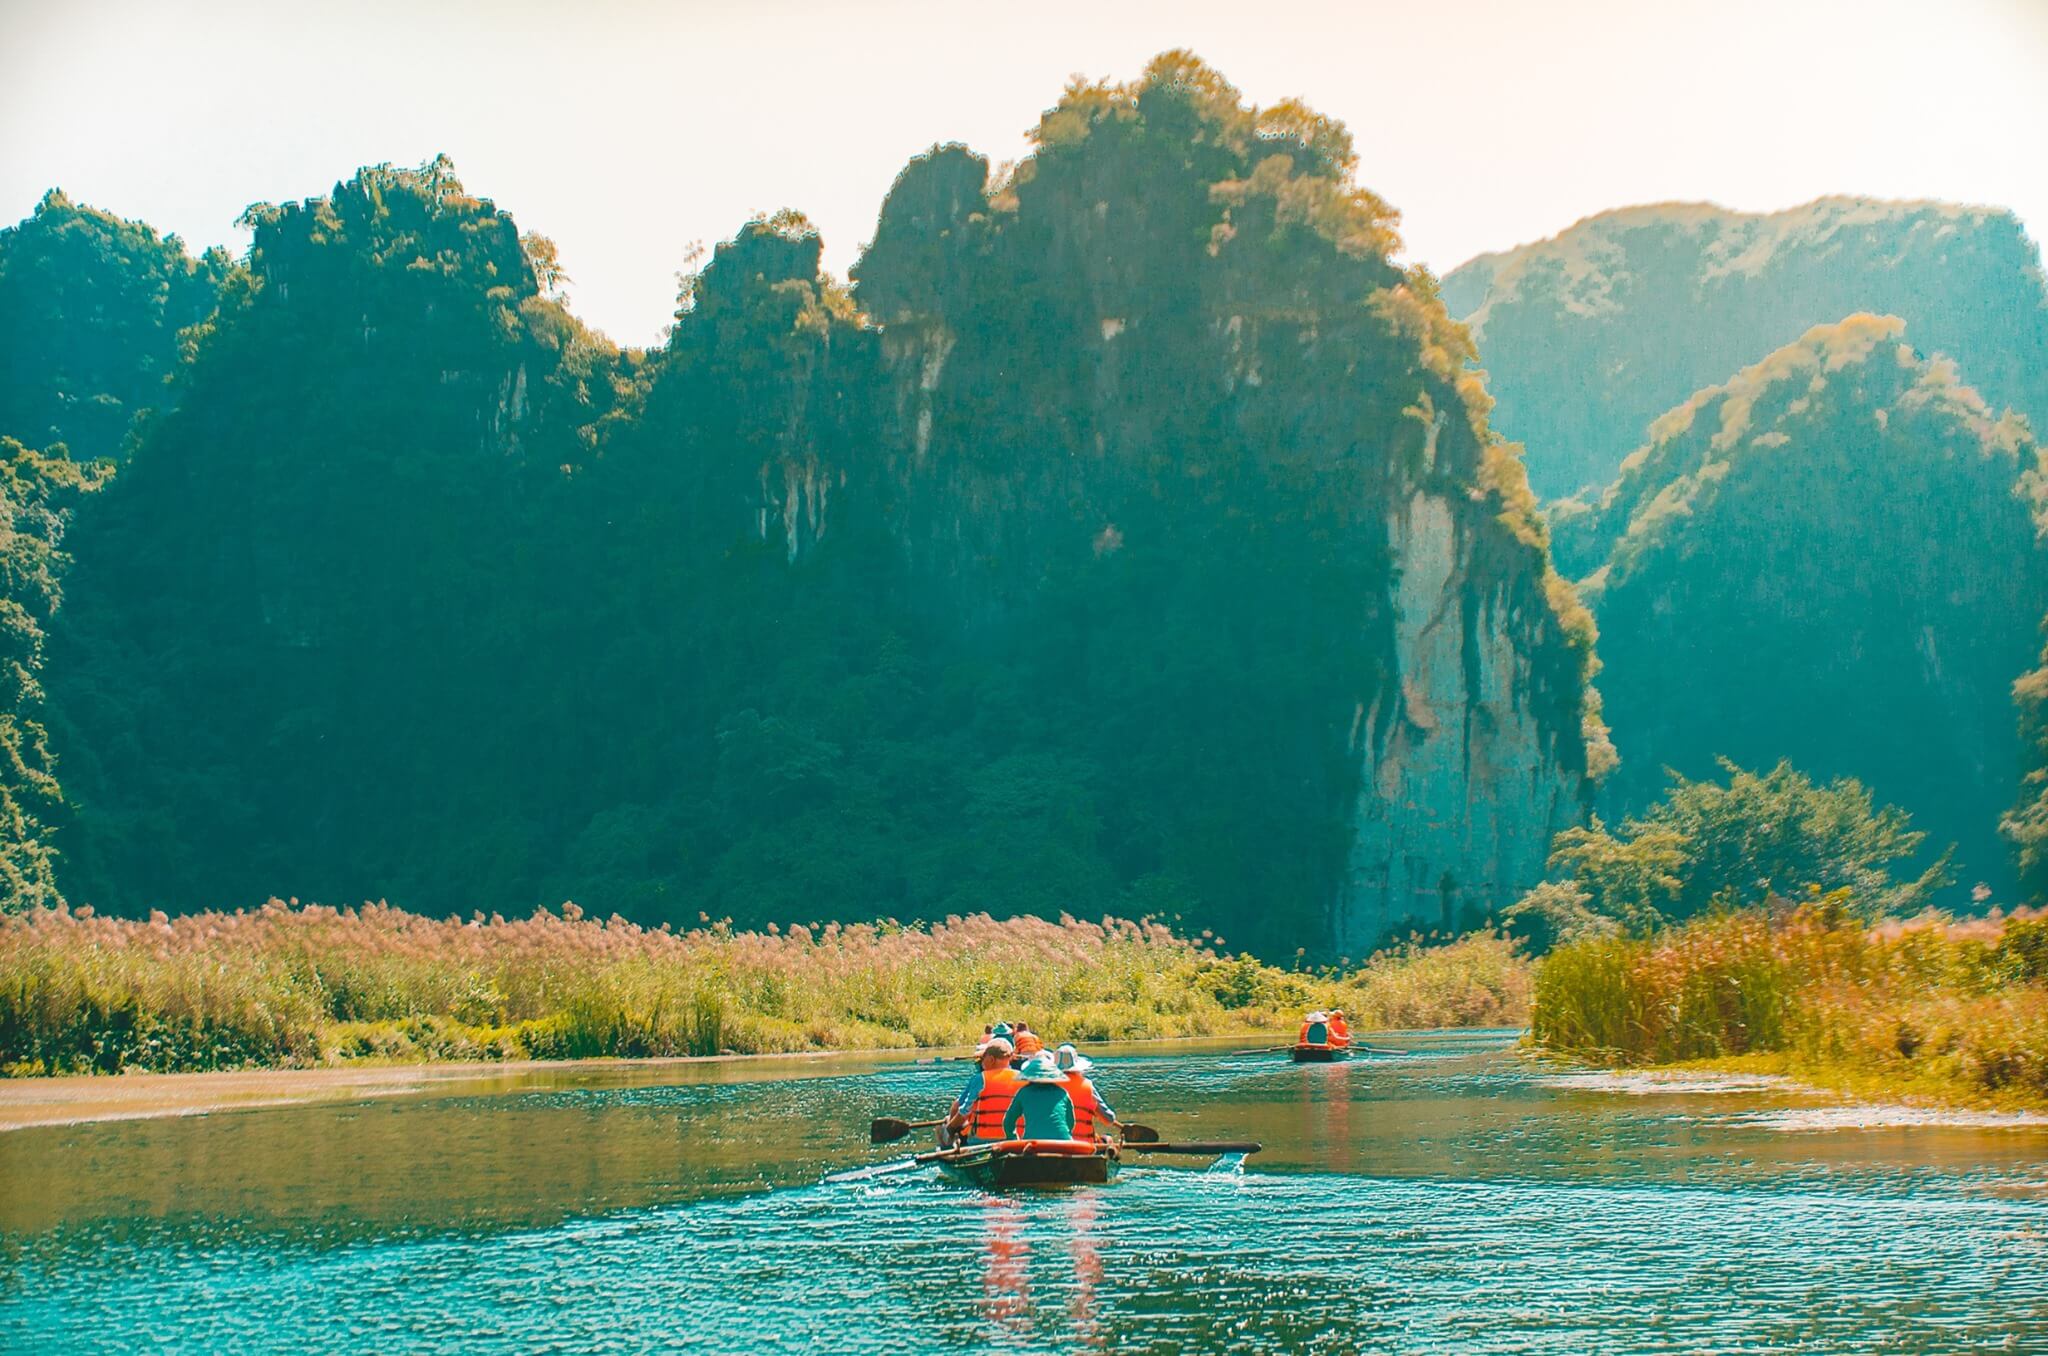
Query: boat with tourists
{"points": [[1041, 1123], [1324, 1038], [1032, 1163]]}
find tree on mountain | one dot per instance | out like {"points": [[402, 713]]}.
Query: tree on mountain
{"points": [[37, 492], [1733, 842], [90, 310]]}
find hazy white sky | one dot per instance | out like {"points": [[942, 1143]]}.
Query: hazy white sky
{"points": [[627, 129]]}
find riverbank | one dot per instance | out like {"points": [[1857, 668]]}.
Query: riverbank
{"points": [[1929, 1009], [291, 987]]}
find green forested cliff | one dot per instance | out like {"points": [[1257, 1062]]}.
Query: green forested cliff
{"points": [[1588, 336], [90, 310], [1128, 536], [1831, 558]]}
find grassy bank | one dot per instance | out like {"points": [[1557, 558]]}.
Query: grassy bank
{"points": [[285, 986], [1930, 1007]]}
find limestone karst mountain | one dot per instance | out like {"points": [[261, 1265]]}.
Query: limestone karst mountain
{"points": [[1833, 558], [1589, 335], [1128, 536]]}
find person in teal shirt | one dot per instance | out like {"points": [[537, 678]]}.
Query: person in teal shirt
{"points": [[1041, 1109]]}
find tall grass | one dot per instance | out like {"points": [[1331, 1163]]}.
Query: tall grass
{"points": [[1928, 1005], [284, 985]]}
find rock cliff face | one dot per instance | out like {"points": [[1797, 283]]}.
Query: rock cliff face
{"points": [[1174, 330], [1589, 335], [1830, 558], [1460, 790]]}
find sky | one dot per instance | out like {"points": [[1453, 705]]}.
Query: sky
{"points": [[629, 131]]}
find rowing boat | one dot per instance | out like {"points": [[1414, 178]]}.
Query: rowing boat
{"points": [[1320, 1054], [1031, 1163]]}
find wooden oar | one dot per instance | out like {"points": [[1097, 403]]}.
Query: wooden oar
{"points": [[904, 1164], [1193, 1147], [1263, 1050], [887, 1129]]}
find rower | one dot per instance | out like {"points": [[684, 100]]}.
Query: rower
{"points": [[1315, 1029], [1340, 1030], [978, 1111], [1041, 1108], [1028, 1044], [1091, 1113]]}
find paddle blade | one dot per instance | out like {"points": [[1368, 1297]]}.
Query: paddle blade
{"points": [[869, 1174], [1139, 1134], [887, 1130]]}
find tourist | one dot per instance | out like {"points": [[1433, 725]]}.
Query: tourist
{"points": [[1091, 1113], [978, 1111], [1041, 1108]]}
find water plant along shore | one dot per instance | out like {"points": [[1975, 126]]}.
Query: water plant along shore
{"points": [[285, 986], [1956, 1011]]}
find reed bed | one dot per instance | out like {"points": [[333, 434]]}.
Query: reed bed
{"points": [[286, 985], [1933, 1006]]}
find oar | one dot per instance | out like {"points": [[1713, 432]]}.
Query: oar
{"points": [[1193, 1147], [887, 1129], [904, 1164], [1263, 1050]]}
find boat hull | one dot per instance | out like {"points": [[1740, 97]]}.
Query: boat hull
{"points": [[1320, 1054], [1033, 1163]]}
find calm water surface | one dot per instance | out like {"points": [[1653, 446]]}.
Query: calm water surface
{"points": [[1454, 1198]]}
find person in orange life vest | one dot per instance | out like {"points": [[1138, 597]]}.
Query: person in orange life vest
{"points": [[978, 1110], [1027, 1043], [1091, 1114], [1340, 1030], [1041, 1108], [1315, 1029]]}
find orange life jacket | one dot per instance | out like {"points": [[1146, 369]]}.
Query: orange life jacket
{"points": [[1340, 1031], [985, 1118], [1302, 1038], [1082, 1092]]}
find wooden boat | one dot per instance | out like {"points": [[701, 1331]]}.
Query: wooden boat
{"points": [[1031, 1163], [1320, 1054]]}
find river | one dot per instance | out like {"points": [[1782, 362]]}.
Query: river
{"points": [[1455, 1198]]}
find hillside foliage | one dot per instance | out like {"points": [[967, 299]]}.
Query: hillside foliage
{"points": [[1042, 569], [1833, 558]]}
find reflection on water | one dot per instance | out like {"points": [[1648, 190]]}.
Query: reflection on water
{"points": [[1450, 1199]]}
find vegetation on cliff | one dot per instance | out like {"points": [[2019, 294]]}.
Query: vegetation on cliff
{"points": [[1588, 336], [288, 986], [1047, 569], [37, 493], [1833, 558], [91, 307]]}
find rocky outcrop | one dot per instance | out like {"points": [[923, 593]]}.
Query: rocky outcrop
{"points": [[1460, 789], [1832, 558], [1589, 335], [1080, 371]]}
